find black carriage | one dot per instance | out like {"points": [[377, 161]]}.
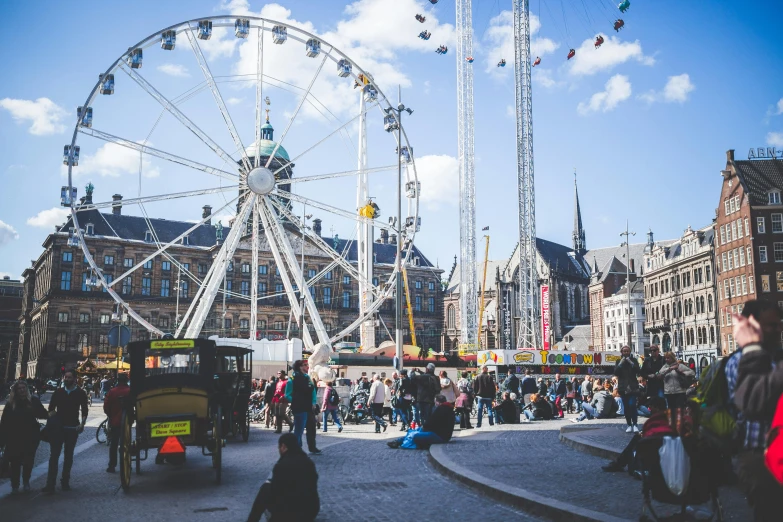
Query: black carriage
{"points": [[233, 380]]}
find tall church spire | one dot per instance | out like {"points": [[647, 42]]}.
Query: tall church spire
{"points": [[578, 236]]}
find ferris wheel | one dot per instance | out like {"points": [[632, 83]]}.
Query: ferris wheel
{"points": [[191, 150]]}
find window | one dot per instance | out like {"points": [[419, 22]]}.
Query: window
{"points": [[779, 281], [374, 281], [230, 266], [346, 299], [774, 197], [105, 318], [84, 318], [65, 280], [278, 325], [147, 265], [760, 228], [709, 298], [109, 279], [184, 289], [762, 254], [417, 303], [451, 319], [328, 275], [244, 324], [163, 322], [778, 249], [165, 265], [67, 257], [148, 236], [733, 230], [777, 223], [277, 271], [747, 229], [244, 287], [84, 341], [327, 296], [186, 240], [739, 228], [227, 323], [245, 268], [165, 287], [431, 304], [751, 286], [741, 256], [62, 341], [736, 257], [229, 285], [726, 206], [731, 262], [108, 260], [744, 288], [186, 267], [431, 285], [90, 229], [418, 285], [202, 268], [261, 289], [263, 270], [726, 289], [62, 317], [732, 288], [311, 273], [127, 285], [262, 324], [722, 234], [279, 293], [765, 284], [128, 262], [146, 286]]}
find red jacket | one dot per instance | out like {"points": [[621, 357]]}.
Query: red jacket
{"points": [[658, 425], [112, 404], [279, 391]]}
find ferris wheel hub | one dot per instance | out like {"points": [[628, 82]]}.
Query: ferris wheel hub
{"points": [[261, 181]]}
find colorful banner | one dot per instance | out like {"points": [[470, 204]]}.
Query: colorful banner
{"points": [[547, 358], [545, 324]]}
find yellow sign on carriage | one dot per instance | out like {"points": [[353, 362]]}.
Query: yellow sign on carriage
{"points": [[170, 429], [171, 344]]}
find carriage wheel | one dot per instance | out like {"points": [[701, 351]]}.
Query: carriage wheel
{"points": [[245, 427], [217, 435], [125, 451]]}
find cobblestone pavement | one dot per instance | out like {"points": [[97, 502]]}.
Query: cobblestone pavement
{"points": [[360, 479], [530, 456]]}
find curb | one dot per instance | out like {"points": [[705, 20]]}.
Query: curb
{"points": [[573, 440], [532, 503]]}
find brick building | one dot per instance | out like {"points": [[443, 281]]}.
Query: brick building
{"points": [[749, 236], [10, 308]]}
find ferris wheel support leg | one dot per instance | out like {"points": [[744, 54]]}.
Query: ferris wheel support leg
{"points": [[364, 235], [272, 236], [212, 286], [254, 278], [259, 91], [293, 266]]}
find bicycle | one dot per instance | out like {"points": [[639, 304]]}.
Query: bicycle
{"points": [[103, 433]]}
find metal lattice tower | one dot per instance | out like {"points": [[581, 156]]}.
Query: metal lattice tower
{"points": [[529, 334], [467, 188]]}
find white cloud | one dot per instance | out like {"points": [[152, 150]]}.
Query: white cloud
{"points": [[439, 177], [179, 71], [613, 52], [779, 107], [49, 218], [500, 39], [617, 89], [43, 113], [544, 78], [775, 139], [114, 160], [7, 233], [677, 90], [234, 101], [511, 111]]}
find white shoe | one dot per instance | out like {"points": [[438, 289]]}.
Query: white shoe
{"points": [[636, 429], [574, 421], [629, 430]]}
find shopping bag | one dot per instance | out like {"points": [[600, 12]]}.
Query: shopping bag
{"points": [[675, 465]]}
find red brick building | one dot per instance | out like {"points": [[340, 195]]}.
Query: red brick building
{"points": [[748, 238]]}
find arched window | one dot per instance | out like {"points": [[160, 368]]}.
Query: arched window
{"points": [[656, 340], [712, 333], [667, 342], [577, 304], [702, 303], [451, 318], [679, 308], [667, 311], [709, 303], [563, 299]]}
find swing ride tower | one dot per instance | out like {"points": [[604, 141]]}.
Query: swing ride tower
{"points": [[529, 332], [468, 292]]}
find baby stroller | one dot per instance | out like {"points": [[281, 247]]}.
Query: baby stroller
{"points": [[702, 485]]}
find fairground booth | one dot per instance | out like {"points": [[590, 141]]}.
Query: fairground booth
{"points": [[546, 363]]}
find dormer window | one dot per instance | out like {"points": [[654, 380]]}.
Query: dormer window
{"points": [[91, 228], [148, 236], [186, 240], [774, 197]]}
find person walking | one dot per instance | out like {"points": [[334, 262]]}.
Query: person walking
{"points": [[19, 433], [651, 366], [393, 389], [280, 403], [291, 494], [330, 405], [376, 399], [65, 404], [676, 378], [387, 407], [464, 402], [528, 386], [105, 386], [112, 407], [301, 393], [587, 389], [627, 370], [485, 393], [559, 391], [402, 391], [269, 394], [448, 389]]}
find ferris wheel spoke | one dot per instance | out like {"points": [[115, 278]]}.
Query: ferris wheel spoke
{"points": [[336, 131], [146, 149], [296, 112], [293, 266], [159, 197], [218, 97], [371, 310], [259, 92], [254, 277], [174, 110], [332, 175], [272, 233], [334, 210], [163, 247]]}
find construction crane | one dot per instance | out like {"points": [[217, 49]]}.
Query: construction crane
{"points": [[408, 303], [529, 335], [483, 289], [467, 189]]}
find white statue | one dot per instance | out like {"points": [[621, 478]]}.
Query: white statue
{"points": [[319, 363]]}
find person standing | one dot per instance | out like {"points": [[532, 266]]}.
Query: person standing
{"points": [[676, 379], [559, 391], [105, 385], [112, 407], [650, 367], [587, 389], [393, 389], [301, 393], [528, 386], [330, 405], [377, 396], [402, 390], [19, 433], [387, 407], [269, 394], [627, 370], [448, 389], [485, 393], [427, 387], [464, 402], [65, 404], [280, 403], [511, 384]]}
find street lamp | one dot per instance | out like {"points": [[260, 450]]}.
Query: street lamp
{"points": [[627, 235], [398, 293]]}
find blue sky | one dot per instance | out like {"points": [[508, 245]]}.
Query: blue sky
{"points": [[645, 120]]}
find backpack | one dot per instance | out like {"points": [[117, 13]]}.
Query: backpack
{"points": [[718, 424], [333, 399], [773, 455]]}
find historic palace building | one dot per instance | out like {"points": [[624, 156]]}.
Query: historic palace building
{"points": [[681, 299], [748, 236]]}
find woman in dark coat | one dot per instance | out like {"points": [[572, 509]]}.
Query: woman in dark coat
{"points": [[19, 432]]}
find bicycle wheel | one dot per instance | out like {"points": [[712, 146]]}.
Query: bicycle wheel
{"points": [[101, 434]]}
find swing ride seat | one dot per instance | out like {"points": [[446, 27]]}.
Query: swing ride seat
{"points": [[618, 24], [599, 41], [571, 54], [624, 5], [538, 60]]}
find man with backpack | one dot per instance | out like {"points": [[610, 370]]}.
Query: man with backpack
{"points": [[755, 382], [401, 402], [427, 387], [651, 366]]}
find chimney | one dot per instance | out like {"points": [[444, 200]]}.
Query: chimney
{"points": [[207, 211], [633, 266], [730, 155], [393, 239], [385, 236], [317, 227], [116, 206]]}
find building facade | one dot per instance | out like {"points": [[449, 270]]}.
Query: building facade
{"points": [[680, 297], [619, 319], [10, 310], [748, 237]]}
